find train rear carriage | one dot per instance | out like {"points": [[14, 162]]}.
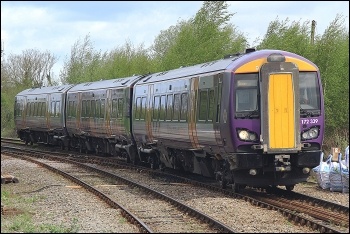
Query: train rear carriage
{"points": [[250, 119], [98, 116], [39, 114]]}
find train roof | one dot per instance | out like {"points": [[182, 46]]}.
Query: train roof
{"points": [[46, 90], [202, 68], [230, 62], [105, 84]]}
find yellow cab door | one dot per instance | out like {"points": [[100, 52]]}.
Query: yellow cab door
{"points": [[279, 88]]}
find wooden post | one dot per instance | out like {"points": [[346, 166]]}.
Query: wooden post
{"points": [[313, 25], [335, 154]]}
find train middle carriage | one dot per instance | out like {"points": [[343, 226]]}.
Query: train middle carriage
{"points": [[98, 116], [250, 119]]}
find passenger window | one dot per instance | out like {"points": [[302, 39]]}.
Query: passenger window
{"points": [[27, 109], [58, 108], [114, 108], [120, 107], [39, 109], [169, 107], [91, 108], [74, 109], [211, 105], [203, 102], [162, 108], [138, 108], [35, 109], [53, 108], [184, 104], [143, 109], [156, 108], [102, 113], [177, 102]]}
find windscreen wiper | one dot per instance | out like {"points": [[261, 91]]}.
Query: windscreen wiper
{"points": [[252, 114], [305, 113]]}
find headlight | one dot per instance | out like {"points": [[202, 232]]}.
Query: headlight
{"points": [[252, 137], [246, 135], [312, 133], [243, 135], [305, 135]]}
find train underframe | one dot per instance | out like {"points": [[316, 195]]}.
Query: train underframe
{"points": [[236, 170], [38, 136]]}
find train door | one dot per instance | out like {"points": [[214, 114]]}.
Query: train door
{"points": [[150, 125], [279, 88], [79, 112], [109, 109], [192, 129], [49, 110], [24, 112], [218, 79]]}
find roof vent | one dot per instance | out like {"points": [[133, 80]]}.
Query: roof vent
{"points": [[249, 50]]}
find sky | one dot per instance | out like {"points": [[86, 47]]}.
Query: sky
{"points": [[55, 26]]}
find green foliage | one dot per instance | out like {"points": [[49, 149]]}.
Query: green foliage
{"points": [[83, 65], [206, 37], [7, 108], [5, 196], [332, 57], [294, 38], [127, 61], [339, 139], [22, 222]]}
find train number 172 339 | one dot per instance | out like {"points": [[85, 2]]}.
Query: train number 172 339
{"points": [[309, 121]]}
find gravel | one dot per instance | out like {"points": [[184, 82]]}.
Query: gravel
{"points": [[58, 201]]}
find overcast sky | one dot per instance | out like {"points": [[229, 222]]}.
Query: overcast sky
{"points": [[55, 26]]}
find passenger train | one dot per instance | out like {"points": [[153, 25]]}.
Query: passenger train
{"points": [[250, 119]]}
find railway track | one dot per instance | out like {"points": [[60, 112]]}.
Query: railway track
{"points": [[319, 210], [177, 213]]}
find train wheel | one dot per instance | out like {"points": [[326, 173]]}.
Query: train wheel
{"points": [[154, 163], [128, 159], [62, 145], [290, 187], [223, 183], [271, 189], [162, 167], [236, 187]]}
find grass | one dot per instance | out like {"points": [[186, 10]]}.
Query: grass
{"points": [[21, 219]]}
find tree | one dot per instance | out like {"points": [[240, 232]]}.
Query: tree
{"points": [[30, 69], [205, 37], [126, 61], [83, 65], [293, 38], [18, 72], [332, 57]]}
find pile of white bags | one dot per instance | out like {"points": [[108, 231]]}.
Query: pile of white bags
{"points": [[334, 175]]}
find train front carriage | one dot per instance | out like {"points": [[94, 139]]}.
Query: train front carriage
{"points": [[254, 119], [277, 119]]}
